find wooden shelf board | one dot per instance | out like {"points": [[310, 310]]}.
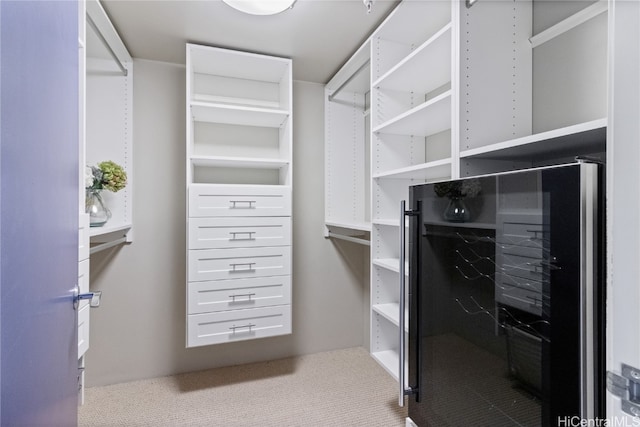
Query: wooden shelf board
{"points": [[392, 264], [409, 75], [109, 228], [583, 138], [429, 171], [241, 102], [350, 225], [238, 162], [391, 312], [387, 222], [359, 84], [389, 360], [236, 64], [238, 115], [429, 118], [568, 24]]}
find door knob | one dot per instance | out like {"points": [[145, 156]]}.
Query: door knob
{"points": [[93, 297]]}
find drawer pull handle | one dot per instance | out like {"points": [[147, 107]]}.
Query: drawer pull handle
{"points": [[248, 296], [234, 235], [243, 204], [250, 325], [248, 266]]}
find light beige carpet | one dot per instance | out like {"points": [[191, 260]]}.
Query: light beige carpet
{"points": [[336, 388]]}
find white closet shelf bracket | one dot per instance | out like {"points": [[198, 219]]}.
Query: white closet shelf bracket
{"points": [[93, 25], [346, 82], [568, 24]]}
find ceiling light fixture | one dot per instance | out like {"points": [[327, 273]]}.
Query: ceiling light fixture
{"points": [[260, 7]]}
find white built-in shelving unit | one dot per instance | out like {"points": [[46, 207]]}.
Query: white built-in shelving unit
{"points": [[239, 169], [347, 148], [105, 75], [109, 120], [414, 93], [457, 92]]}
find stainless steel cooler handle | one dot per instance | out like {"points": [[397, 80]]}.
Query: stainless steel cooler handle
{"points": [[401, 319]]}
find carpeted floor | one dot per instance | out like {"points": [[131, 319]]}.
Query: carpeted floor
{"points": [[341, 388]]}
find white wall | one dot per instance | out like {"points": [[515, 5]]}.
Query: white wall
{"points": [[139, 330]]}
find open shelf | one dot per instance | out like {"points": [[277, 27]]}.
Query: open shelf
{"points": [[392, 264], [237, 115], [246, 102], [387, 222], [583, 138], [409, 74], [571, 22], [389, 360], [391, 312], [109, 228], [350, 225], [240, 162], [354, 76], [438, 169], [428, 118]]}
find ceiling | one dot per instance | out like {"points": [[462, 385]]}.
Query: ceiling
{"points": [[319, 35]]}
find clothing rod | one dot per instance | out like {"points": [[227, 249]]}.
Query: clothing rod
{"points": [[350, 239], [353, 76], [106, 44], [107, 245]]}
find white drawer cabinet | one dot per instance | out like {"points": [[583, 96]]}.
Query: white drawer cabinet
{"points": [[219, 264], [213, 200], [238, 325], [235, 232], [239, 156], [222, 295]]}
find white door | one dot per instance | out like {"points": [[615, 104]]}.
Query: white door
{"points": [[623, 205], [38, 212]]}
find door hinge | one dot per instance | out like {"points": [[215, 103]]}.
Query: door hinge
{"points": [[626, 386]]}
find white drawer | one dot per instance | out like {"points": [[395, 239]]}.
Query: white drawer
{"points": [[219, 264], [83, 237], [83, 277], [211, 233], [222, 295], [212, 200], [238, 325], [83, 330]]}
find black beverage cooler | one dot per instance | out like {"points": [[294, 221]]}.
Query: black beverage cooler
{"points": [[506, 299]]}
